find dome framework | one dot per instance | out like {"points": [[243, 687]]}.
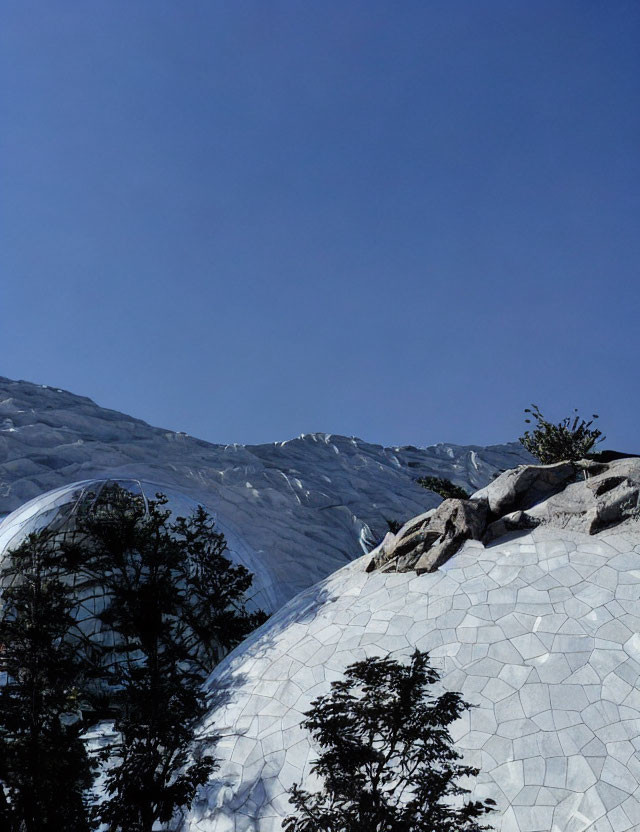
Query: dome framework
{"points": [[57, 509]]}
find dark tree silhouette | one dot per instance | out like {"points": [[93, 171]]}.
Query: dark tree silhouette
{"points": [[445, 488], [386, 759], [44, 768], [174, 604]]}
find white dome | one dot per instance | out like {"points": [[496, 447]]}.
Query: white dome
{"points": [[56, 508], [541, 633]]}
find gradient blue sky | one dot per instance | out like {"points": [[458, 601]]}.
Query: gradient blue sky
{"points": [[399, 220]]}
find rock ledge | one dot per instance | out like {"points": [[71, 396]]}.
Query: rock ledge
{"points": [[584, 496]]}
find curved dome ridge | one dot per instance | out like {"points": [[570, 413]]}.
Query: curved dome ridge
{"points": [[540, 633], [57, 507]]}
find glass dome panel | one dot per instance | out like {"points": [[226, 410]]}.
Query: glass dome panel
{"points": [[57, 508]]}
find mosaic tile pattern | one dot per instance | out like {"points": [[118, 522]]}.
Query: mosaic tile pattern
{"points": [[541, 633]]}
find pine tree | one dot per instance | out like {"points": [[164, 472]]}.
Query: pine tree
{"points": [[174, 604], [386, 759], [44, 767]]}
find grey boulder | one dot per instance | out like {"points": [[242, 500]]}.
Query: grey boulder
{"points": [[585, 496], [432, 538], [524, 486]]}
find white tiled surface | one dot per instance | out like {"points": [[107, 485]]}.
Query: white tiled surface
{"points": [[541, 633]]}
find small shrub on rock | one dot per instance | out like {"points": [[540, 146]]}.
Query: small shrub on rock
{"points": [[445, 488], [571, 439]]}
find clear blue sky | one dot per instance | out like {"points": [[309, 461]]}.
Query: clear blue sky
{"points": [[399, 220]]}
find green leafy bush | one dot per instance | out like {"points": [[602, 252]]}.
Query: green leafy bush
{"points": [[445, 488], [571, 439]]}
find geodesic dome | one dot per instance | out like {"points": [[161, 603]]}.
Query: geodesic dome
{"points": [[540, 633], [56, 509]]}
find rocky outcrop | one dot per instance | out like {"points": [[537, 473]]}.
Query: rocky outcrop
{"points": [[436, 536], [585, 496], [524, 486], [601, 495]]}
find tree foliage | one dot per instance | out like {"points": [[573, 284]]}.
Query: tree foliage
{"points": [[175, 604], [386, 759], [394, 525], [445, 488], [170, 604], [571, 439], [44, 767]]}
